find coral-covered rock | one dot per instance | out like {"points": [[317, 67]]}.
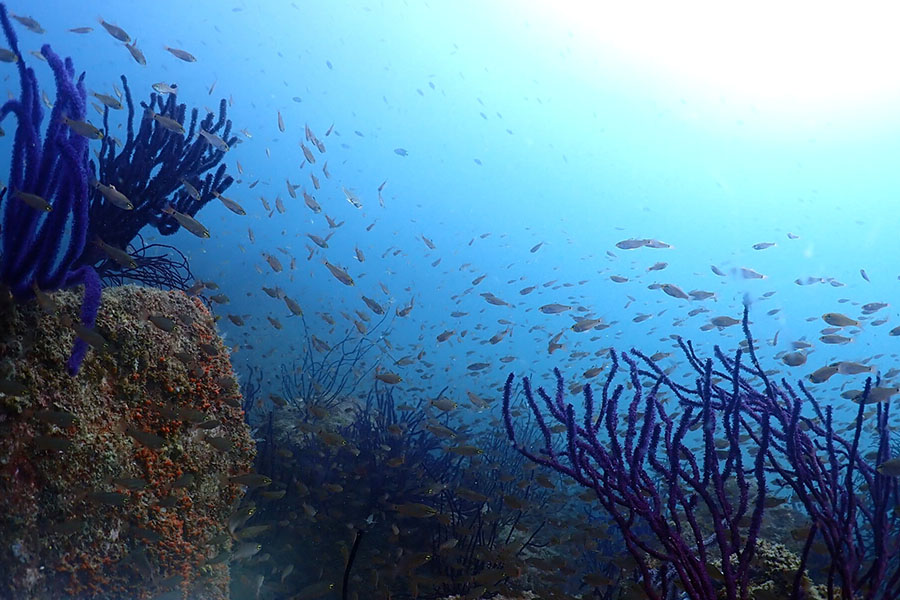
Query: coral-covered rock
{"points": [[115, 481], [775, 567]]}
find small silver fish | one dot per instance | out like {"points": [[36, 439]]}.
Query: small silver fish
{"points": [[835, 339], [33, 200], [182, 54], [854, 368], [307, 153], [83, 128], [191, 190], [673, 290], [750, 274], [118, 255], [114, 30], [890, 467], [166, 122], [136, 53], [108, 100], [794, 359], [245, 551], [214, 140], [554, 308], [163, 88], [352, 198], [631, 244], [113, 195], [188, 222], [822, 374], [839, 320], [230, 204], [724, 321], [339, 273], [29, 23]]}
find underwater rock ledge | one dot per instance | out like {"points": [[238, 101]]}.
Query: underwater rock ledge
{"points": [[115, 482]]}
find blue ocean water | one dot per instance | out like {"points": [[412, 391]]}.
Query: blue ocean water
{"points": [[524, 142], [580, 145]]}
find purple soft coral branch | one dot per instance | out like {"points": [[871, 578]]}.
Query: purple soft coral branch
{"points": [[31, 240], [89, 307]]}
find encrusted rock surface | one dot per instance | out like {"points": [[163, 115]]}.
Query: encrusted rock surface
{"points": [[158, 402]]}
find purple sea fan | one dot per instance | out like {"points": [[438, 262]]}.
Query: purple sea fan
{"points": [[684, 474]]}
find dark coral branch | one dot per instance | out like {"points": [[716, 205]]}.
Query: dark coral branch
{"points": [[150, 169]]}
